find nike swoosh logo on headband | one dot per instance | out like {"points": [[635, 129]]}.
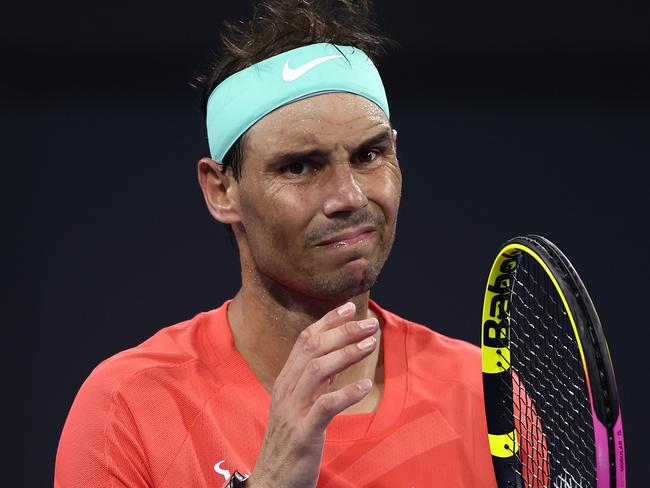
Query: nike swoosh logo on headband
{"points": [[289, 74]]}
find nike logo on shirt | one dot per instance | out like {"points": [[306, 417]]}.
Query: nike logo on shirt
{"points": [[291, 74]]}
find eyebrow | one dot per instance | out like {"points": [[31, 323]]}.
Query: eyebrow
{"points": [[383, 138]]}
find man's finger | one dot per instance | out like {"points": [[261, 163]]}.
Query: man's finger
{"points": [[333, 403], [330, 320], [339, 337], [314, 379]]}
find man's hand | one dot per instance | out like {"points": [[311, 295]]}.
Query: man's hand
{"points": [[302, 405]]}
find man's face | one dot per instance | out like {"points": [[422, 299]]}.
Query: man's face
{"points": [[318, 196]]}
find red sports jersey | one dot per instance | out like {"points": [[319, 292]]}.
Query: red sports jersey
{"points": [[183, 409]]}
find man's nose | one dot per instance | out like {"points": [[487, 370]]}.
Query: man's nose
{"points": [[343, 192]]}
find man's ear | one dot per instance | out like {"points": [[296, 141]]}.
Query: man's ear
{"points": [[219, 190]]}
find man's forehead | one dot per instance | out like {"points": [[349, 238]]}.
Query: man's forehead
{"points": [[321, 119]]}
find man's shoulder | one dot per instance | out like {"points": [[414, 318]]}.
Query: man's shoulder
{"points": [[173, 355], [425, 337], [139, 398], [452, 359], [168, 347]]}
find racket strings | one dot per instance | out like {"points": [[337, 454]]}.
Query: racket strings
{"points": [[550, 406]]}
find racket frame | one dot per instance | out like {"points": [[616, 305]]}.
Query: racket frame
{"points": [[594, 355]]}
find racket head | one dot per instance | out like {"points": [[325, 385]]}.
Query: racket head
{"points": [[551, 401]]}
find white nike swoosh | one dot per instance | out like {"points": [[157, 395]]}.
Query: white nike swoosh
{"points": [[289, 74]]}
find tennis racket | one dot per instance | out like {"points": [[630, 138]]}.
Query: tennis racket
{"points": [[551, 401]]}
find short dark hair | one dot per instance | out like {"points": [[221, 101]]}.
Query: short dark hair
{"points": [[281, 25]]}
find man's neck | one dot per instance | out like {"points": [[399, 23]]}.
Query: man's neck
{"points": [[265, 328]]}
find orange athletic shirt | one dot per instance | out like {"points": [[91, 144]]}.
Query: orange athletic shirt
{"points": [[183, 409]]}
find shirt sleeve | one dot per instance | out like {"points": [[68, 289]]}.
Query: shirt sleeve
{"points": [[100, 445]]}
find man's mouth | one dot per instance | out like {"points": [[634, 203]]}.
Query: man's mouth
{"points": [[349, 238]]}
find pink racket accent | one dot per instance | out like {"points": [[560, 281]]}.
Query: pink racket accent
{"points": [[619, 452], [602, 452]]}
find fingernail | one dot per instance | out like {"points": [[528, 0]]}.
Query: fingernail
{"points": [[368, 324], [366, 343], [345, 309], [364, 385]]}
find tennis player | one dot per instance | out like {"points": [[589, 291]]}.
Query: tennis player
{"points": [[300, 380]]}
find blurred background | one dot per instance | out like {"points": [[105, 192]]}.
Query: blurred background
{"points": [[514, 117]]}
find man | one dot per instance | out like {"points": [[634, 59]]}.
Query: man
{"points": [[300, 380]]}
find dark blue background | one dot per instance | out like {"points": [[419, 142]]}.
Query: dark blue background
{"points": [[528, 118]]}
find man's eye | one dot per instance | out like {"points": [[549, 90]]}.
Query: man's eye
{"points": [[296, 168], [367, 156]]}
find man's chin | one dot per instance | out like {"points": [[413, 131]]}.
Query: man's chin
{"points": [[346, 284]]}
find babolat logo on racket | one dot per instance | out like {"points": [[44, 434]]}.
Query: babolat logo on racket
{"points": [[496, 315]]}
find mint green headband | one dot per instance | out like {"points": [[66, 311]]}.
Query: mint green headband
{"points": [[245, 97]]}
